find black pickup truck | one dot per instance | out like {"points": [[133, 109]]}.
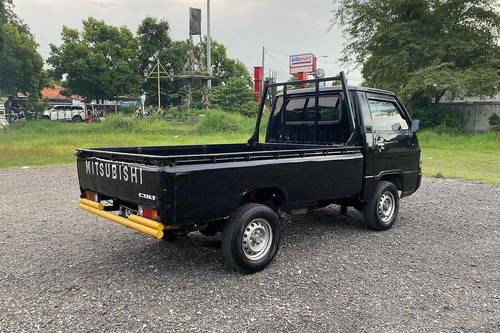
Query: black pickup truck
{"points": [[349, 146]]}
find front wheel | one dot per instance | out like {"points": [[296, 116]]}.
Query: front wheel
{"points": [[251, 238], [381, 212]]}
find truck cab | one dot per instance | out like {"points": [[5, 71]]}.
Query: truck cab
{"points": [[341, 145], [379, 123]]}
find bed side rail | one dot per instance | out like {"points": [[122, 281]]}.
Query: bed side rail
{"points": [[218, 157]]}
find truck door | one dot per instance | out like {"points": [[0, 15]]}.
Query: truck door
{"points": [[395, 149]]}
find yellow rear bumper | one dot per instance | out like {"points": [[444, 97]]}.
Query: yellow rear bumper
{"points": [[139, 223]]}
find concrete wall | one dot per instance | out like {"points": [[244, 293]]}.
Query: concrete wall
{"points": [[476, 115]]}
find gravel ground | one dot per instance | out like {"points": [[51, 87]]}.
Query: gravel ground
{"points": [[437, 270]]}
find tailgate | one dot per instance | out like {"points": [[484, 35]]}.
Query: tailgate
{"points": [[132, 182]]}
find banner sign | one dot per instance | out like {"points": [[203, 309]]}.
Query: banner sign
{"points": [[302, 63], [194, 21]]}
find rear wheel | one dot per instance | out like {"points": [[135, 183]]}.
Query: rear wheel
{"points": [[77, 119], [251, 238], [381, 212]]}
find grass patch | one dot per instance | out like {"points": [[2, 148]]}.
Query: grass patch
{"points": [[445, 153], [219, 121], [38, 143], [452, 154]]}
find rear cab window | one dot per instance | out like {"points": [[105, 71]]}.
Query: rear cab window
{"points": [[303, 122]]}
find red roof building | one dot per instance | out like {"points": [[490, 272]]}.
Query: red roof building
{"points": [[56, 94]]}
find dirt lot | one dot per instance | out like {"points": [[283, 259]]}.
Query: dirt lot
{"points": [[62, 269]]}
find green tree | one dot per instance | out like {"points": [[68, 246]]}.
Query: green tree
{"points": [[101, 62], [155, 42], [20, 63], [423, 49], [5, 10], [224, 68], [235, 96]]}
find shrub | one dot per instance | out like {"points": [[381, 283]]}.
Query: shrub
{"points": [[232, 96], [249, 109], [439, 115], [218, 121], [177, 115], [495, 122], [128, 109], [119, 122]]}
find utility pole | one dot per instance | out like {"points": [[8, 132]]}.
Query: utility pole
{"points": [[209, 47], [263, 67]]}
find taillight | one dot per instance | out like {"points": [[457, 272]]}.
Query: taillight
{"points": [[91, 196], [148, 213]]}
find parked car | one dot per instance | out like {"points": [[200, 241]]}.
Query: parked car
{"points": [[75, 113], [349, 146]]}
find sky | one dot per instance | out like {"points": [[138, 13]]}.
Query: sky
{"points": [[283, 27]]}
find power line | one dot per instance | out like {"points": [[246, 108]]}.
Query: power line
{"points": [[278, 52], [328, 62], [318, 59], [278, 61]]}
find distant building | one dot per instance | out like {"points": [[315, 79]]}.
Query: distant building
{"points": [[54, 96]]}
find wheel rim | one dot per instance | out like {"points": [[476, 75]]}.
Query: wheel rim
{"points": [[386, 207], [257, 239]]}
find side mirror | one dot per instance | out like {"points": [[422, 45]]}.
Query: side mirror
{"points": [[415, 125]]}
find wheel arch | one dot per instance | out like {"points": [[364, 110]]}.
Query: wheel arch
{"points": [[264, 195], [371, 182], [394, 177]]}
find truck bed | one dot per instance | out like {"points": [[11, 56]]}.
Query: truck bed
{"points": [[196, 184], [174, 155]]}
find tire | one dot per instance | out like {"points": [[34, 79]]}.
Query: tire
{"points": [[382, 211], [46, 117], [256, 226], [77, 119]]}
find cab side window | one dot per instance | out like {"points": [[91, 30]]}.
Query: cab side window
{"points": [[386, 116]]}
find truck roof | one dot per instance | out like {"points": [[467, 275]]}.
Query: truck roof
{"points": [[337, 88]]}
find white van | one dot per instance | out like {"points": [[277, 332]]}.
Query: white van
{"points": [[66, 112]]}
